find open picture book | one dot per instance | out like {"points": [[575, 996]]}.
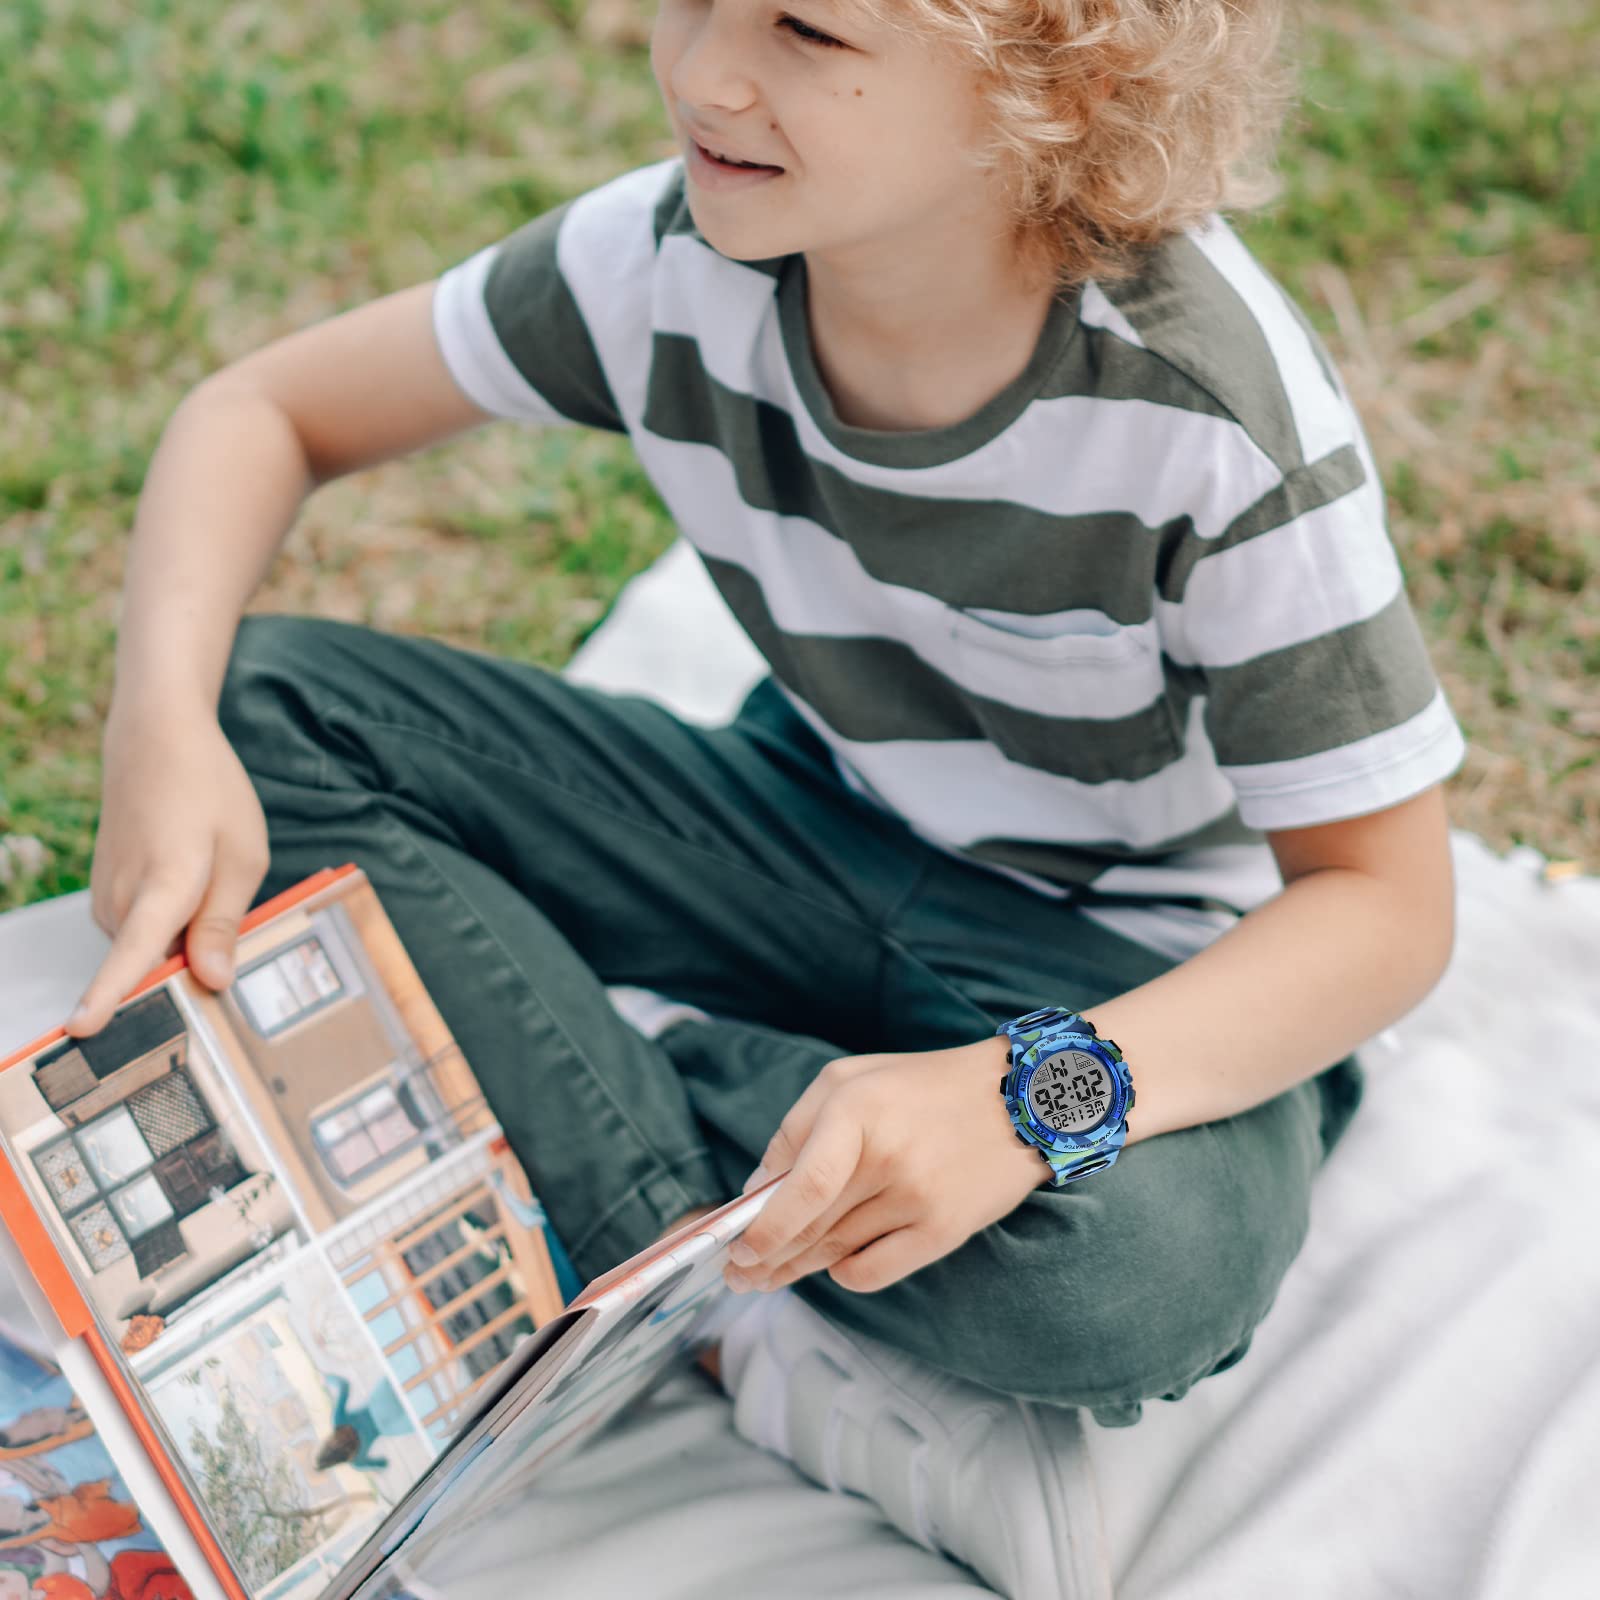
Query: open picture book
{"points": [[279, 1309]]}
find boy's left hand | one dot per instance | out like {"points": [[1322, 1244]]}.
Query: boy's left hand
{"points": [[892, 1161]]}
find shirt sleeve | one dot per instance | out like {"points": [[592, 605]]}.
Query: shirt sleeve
{"points": [[1321, 700], [552, 324]]}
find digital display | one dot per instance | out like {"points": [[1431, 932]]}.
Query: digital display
{"points": [[1070, 1092]]}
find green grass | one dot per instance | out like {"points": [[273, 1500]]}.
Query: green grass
{"points": [[183, 182]]}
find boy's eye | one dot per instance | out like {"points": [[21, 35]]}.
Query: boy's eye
{"points": [[810, 34]]}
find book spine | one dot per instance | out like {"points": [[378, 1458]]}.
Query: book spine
{"points": [[148, 1473]]}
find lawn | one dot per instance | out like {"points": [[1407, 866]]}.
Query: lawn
{"points": [[184, 181]]}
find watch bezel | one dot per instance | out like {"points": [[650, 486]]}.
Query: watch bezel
{"points": [[1037, 1054]]}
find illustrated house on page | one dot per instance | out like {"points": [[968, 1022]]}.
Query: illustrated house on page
{"points": [[449, 1274], [252, 1393], [317, 1115], [388, 1143], [130, 1138], [344, 1059]]}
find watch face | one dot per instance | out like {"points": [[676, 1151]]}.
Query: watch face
{"points": [[1070, 1092]]}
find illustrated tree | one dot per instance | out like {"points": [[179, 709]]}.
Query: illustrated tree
{"points": [[257, 1498]]}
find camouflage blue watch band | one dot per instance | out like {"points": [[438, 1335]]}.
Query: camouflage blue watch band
{"points": [[1067, 1091]]}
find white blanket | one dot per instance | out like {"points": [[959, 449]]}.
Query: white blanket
{"points": [[1419, 1414]]}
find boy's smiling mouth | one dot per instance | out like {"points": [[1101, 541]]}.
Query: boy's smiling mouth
{"points": [[720, 149], [711, 172]]}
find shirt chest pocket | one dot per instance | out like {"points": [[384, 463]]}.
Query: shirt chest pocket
{"points": [[1079, 695]]}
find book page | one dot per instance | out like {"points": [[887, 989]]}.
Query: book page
{"points": [[639, 1322]]}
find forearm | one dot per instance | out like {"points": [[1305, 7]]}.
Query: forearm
{"points": [[1291, 989], [1297, 984], [222, 491]]}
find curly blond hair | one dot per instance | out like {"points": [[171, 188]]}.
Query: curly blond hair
{"points": [[1116, 123]]}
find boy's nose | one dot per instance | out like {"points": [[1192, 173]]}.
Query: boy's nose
{"points": [[711, 72]]}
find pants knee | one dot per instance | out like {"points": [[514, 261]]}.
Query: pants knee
{"points": [[276, 686], [1131, 1286], [1160, 1277]]}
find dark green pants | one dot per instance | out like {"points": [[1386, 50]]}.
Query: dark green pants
{"points": [[534, 841]]}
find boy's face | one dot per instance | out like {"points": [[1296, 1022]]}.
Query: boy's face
{"points": [[875, 134]]}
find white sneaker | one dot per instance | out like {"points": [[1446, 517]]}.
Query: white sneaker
{"points": [[650, 1013], [1001, 1484]]}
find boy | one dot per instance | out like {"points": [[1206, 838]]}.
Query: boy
{"points": [[1094, 686]]}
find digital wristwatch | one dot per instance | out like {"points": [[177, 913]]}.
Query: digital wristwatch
{"points": [[1068, 1092]]}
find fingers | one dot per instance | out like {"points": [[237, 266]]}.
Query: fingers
{"points": [[786, 1144], [851, 1231], [214, 928], [816, 1181], [758, 1274], [162, 921], [887, 1260], [146, 932]]}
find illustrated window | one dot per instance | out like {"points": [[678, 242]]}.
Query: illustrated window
{"points": [[124, 1181], [288, 985], [365, 1133]]}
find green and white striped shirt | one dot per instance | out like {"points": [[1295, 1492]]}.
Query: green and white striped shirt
{"points": [[1139, 608]]}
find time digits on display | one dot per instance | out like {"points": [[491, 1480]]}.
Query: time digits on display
{"points": [[1069, 1100]]}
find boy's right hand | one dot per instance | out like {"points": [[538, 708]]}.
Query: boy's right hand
{"points": [[180, 853]]}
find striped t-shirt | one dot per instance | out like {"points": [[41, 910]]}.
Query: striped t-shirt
{"points": [[1100, 635]]}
